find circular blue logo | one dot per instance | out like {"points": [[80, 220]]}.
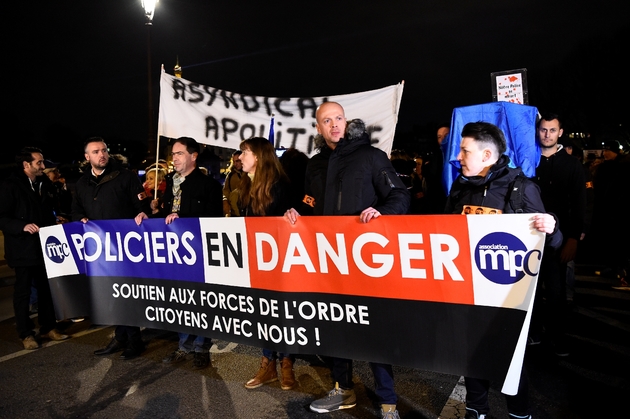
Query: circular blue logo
{"points": [[55, 250], [503, 258]]}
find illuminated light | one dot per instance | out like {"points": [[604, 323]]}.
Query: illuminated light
{"points": [[149, 9]]}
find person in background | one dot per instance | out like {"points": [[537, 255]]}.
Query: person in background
{"points": [[563, 191], [154, 176], [231, 184], [265, 191], [27, 204]]}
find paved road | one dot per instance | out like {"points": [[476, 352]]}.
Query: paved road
{"points": [[64, 379]]}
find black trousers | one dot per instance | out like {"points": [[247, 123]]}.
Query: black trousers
{"points": [[477, 396], [24, 277]]}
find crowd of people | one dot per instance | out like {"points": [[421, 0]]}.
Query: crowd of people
{"points": [[574, 200]]}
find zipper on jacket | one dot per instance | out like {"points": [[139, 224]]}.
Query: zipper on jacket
{"points": [[339, 196], [391, 184]]}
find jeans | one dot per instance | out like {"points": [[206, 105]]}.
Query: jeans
{"points": [[275, 355], [383, 379], [192, 343]]}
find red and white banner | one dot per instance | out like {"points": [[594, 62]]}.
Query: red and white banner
{"points": [[451, 293]]}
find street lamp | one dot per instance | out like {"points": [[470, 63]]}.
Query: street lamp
{"points": [[149, 11]]}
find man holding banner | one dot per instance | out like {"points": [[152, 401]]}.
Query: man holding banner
{"points": [[352, 178], [486, 181], [189, 193], [107, 191]]}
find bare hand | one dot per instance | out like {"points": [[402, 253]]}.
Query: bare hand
{"points": [[84, 220], [368, 214], [31, 228], [171, 217], [545, 223], [140, 217], [291, 215]]}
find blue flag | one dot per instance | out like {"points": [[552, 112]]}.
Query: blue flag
{"points": [[271, 133]]}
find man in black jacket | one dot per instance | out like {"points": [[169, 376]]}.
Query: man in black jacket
{"points": [[350, 177], [108, 191], [563, 190], [27, 204], [188, 193], [487, 182]]}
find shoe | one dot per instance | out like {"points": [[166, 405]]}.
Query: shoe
{"points": [[560, 349], [132, 352], [201, 360], [33, 308], [336, 399], [473, 414], [113, 347], [286, 370], [533, 340], [54, 334], [176, 356], [513, 416], [266, 374], [388, 411], [30, 343]]}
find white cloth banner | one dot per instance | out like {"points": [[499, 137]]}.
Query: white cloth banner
{"points": [[221, 118]]}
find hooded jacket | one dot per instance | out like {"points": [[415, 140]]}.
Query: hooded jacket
{"points": [[21, 205], [492, 190], [353, 177], [116, 194]]}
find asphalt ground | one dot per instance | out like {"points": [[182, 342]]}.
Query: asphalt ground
{"points": [[65, 380]]}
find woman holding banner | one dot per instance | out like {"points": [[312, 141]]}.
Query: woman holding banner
{"points": [[265, 191]]}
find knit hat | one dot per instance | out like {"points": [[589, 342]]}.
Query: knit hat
{"points": [[612, 145]]}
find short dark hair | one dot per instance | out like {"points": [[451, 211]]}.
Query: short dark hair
{"points": [[92, 140], [26, 155], [486, 133], [192, 146], [550, 116]]}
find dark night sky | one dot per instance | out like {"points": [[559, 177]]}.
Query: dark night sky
{"points": [[78, 68]]}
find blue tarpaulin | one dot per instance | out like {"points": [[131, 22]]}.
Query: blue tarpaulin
{"points": [[518, 123]]}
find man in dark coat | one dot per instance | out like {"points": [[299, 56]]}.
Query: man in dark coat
{"points": [[563, 190], [109, 191], [350, 177], [188, 193], [27, 204]]}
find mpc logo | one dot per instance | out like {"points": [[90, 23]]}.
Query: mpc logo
{"points": [[56, 251], [503, 258]]}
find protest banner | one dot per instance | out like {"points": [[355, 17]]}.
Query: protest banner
{"points": [[451, 293], [221, 118]]}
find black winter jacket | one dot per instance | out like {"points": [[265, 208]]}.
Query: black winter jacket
{"points": [[19, 206], [354, 177], [492, 191], [117, 194], [563, 190], [202, 196]]}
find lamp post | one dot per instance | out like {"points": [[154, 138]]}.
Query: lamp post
{"points": [[149, 11]]}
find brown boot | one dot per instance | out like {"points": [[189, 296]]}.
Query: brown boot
{"points": [[288, 379], [266, 374]]}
